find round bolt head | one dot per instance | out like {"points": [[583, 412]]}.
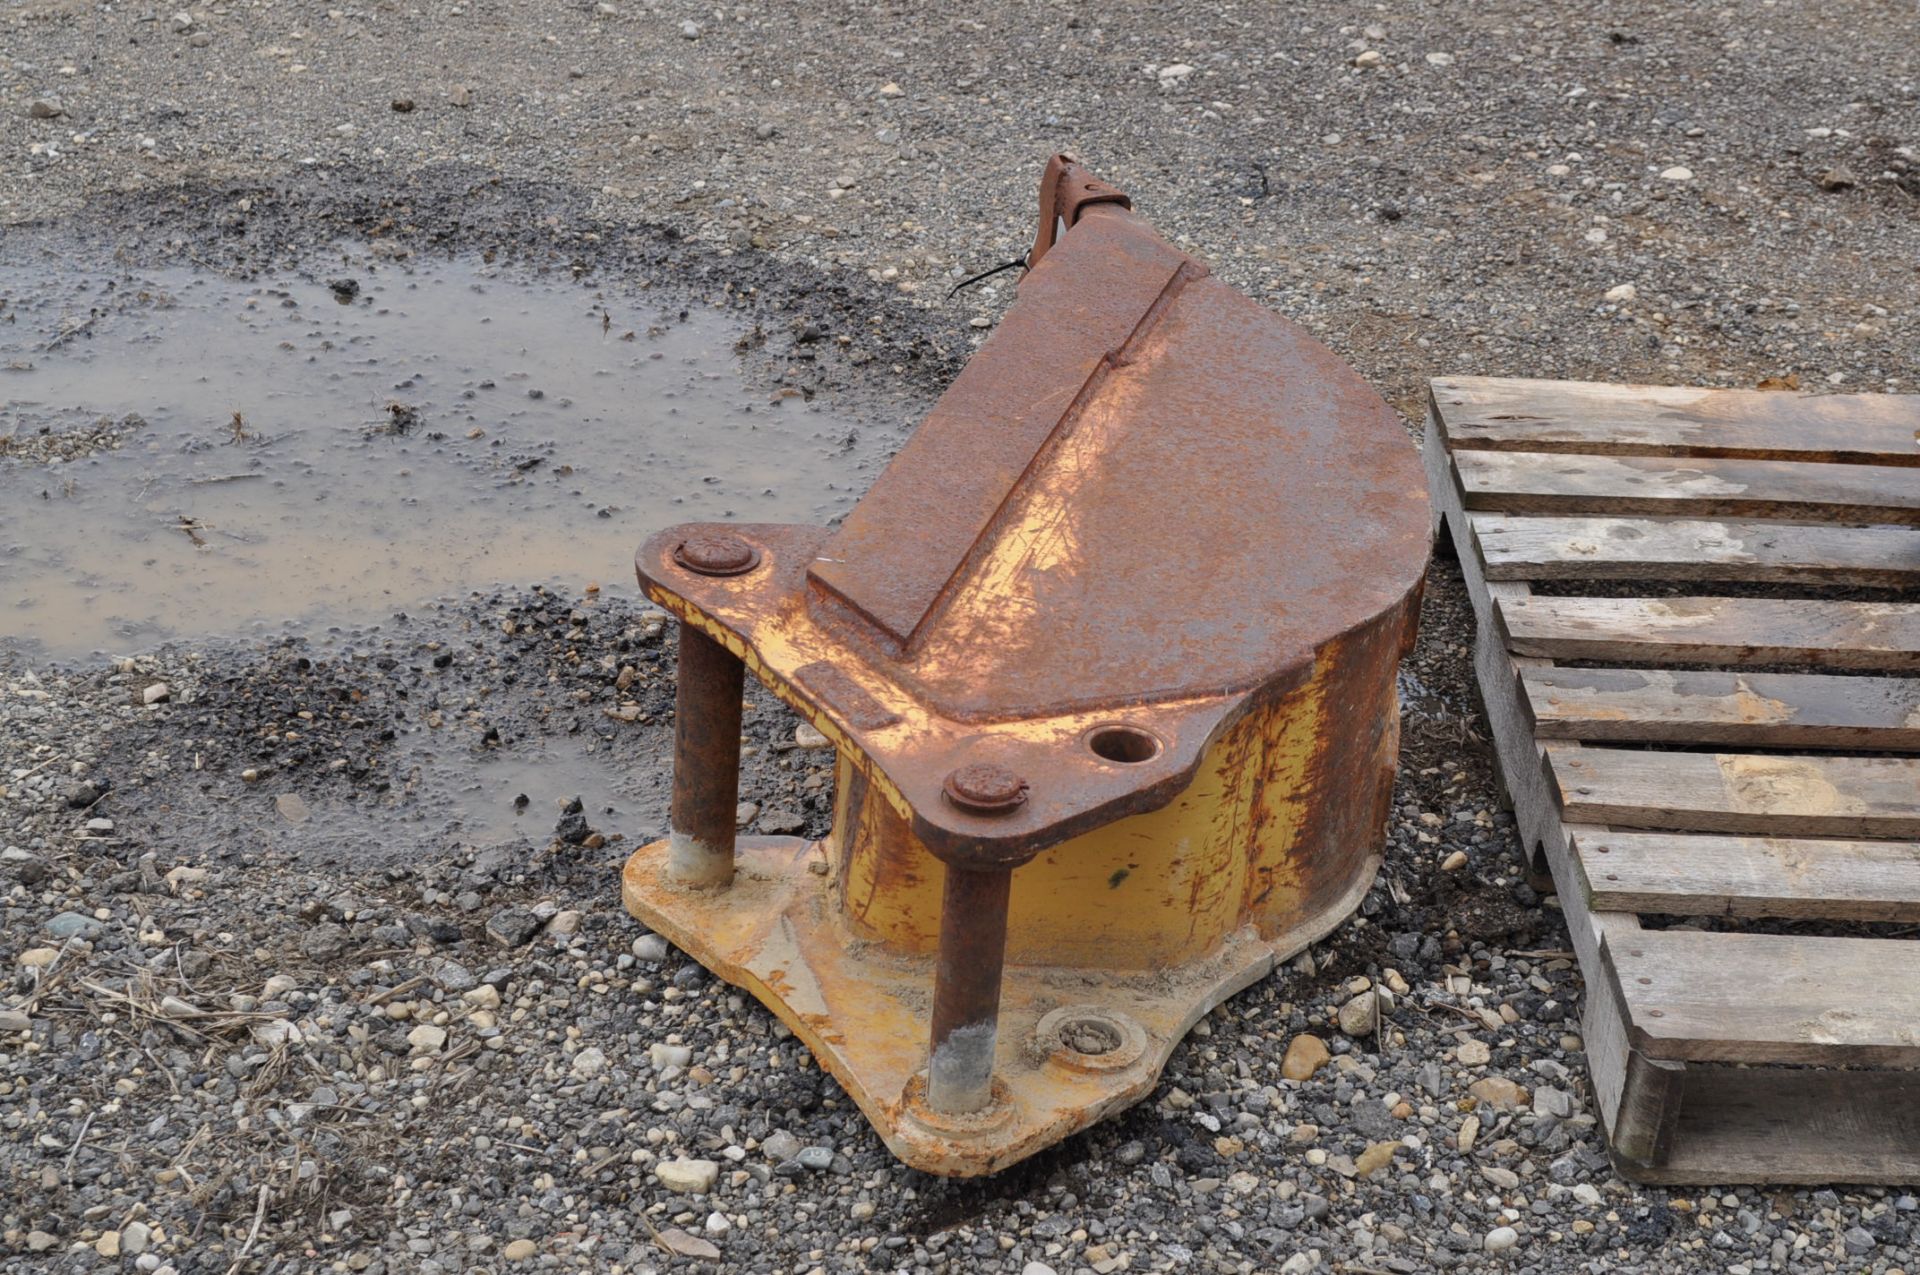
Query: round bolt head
{"points": [[986, 788], [716, 554]]}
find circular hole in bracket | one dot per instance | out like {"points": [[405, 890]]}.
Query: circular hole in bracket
{"points": [[1089, 1038], [1126, 745]]}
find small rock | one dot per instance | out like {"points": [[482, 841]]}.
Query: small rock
{"points": [[1840, 178], [780, 1145], [179, 878], [818, 1159], [1305, 1055], [690, 30], [572, 827], [134, 1237], [519, 1250], [1622, 292], [108, 1245], [28, 869], [807, 736], [158, 693], [1376, 1157], [1037, 1268], [1499, 1092], [891, 89], [1678, 173], [1439, 59], [182, 22], [781, 822], [40, 1241], [39, 958], [45, 108], [291, 807], [688, 1245], [589, 1062], [13, 1020], [402, 105], [665, 1056], [1474, 1053], [1502, 1238], [485, 996], [650, 949], [1858, 1240], [688, 1177], [1361, 1015], [510, 927], [174, 1007], [567, 922], [69, 924], [325, 941], [427, 1039], [1454, 862], [1371, 58], [1548, 1101], [744, 813]]}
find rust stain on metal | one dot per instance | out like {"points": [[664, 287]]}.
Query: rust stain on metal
{"points": [[1107, 655]]}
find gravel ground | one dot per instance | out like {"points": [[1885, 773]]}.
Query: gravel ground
{"points": [[269, 1010]]}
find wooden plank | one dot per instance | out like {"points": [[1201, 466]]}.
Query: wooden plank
{"points": [[1736, 631], [1761, 794], [1638, 1116], [1765, 710], [1520, 547], [1692, 487], [1654, 420], [1791, 1125], [1679, 875], [1769, 998]]}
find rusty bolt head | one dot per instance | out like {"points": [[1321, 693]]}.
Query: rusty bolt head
{"points": [[717, 554], [986, 788]]}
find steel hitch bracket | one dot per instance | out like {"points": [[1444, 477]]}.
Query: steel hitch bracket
{"points": [[1107, 656]]}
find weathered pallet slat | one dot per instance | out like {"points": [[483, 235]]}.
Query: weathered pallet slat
{"points": [[1770, 998], [1682, 874], [1758, 793], [1765, 710], [1688, 487], [1730, 631], [1537, 547], [1731, 1054], [1655, 420]]}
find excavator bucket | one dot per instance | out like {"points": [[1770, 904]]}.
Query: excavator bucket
{"points": [[1107, 655]]}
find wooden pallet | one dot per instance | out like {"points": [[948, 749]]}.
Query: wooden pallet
{"points": [[1748, 755]]}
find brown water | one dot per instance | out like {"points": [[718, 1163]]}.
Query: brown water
{"points": [[451, 425]]}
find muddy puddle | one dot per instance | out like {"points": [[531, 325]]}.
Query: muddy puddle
{"points": [[184, 454]]}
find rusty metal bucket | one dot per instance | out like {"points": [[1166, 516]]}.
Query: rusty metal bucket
{"points": [[1107, 655]]}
